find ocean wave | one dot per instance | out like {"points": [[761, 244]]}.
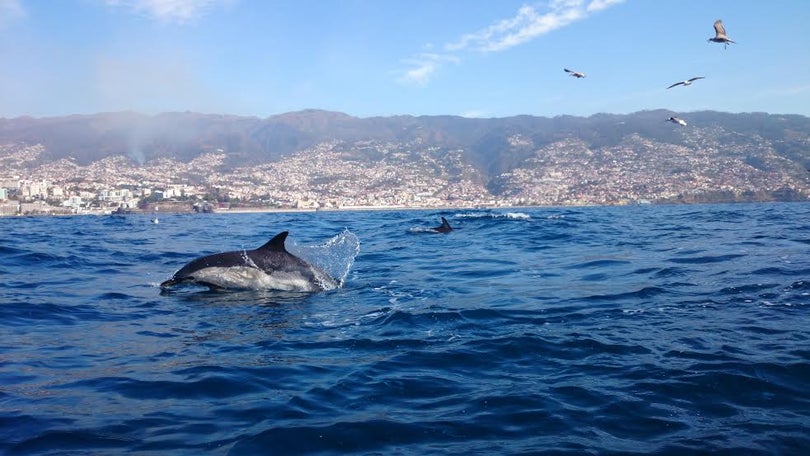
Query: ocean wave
{"points": [[494, 215], [655, 329]]}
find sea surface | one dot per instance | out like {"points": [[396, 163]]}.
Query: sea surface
{"points": [[563, 330]]}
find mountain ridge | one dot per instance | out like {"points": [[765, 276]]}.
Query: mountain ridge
{"points": [[508, 155], [185, 135]]}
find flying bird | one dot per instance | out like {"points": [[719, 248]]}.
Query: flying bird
{"points": [[720, 34], [575, 74], [687, 82], [677, 120]]}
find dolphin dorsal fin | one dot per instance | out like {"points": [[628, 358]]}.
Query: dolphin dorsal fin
{"points": [[445, 223], [277, 243]]}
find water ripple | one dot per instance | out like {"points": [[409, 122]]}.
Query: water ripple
{"points": [[662, 330]]}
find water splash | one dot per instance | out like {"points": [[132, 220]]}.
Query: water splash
{"points": [[494, 215], [248, 260], [335, 256], [422, 229]]}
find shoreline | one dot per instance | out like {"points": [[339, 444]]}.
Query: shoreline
{"points": [[261, 210]]}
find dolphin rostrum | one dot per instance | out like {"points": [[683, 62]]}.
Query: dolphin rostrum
{"points": [[270, 267]]}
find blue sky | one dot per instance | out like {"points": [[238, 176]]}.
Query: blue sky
{"points": [[476, 58]]}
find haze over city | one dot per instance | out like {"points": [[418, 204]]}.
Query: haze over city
{"points": [[474, 58]]}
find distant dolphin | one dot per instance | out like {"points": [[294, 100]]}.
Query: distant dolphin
{"points": [[270, 267], [444, 228]]}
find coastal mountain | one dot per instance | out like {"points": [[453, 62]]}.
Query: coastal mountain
{"points": [[521, 157], [249, 140]]}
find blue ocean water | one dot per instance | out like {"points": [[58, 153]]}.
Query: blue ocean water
{"points": [[596, 330]]}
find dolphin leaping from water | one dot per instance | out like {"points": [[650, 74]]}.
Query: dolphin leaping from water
{"points": [[270, 267]]}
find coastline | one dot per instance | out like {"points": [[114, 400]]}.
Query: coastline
{"points": [[258, 210]]}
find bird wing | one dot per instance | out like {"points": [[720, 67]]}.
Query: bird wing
{"points": [[567, 70], [697, 77], [676, 84], [719, 30]]}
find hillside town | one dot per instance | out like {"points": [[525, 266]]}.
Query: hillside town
{"points": [[372, 174]]}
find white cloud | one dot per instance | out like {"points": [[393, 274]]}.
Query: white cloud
{"points": [[10, 10], [147, 83], [423, 66], [528, 23], [474, 114], [599, 5], [178, 11], [792, 91]]}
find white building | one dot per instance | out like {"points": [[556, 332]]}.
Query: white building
{"points": [[115, 196], [10, 182], [74, 202], [31, 189]]}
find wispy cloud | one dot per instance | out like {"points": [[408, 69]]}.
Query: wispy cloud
{"points": [[170, 11], [423, 66], [474, 114], [599, 5], [793, 90], [528, 23], [10, 10]]}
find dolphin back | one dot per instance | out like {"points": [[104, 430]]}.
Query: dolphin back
{"points": [[276, 244], [274, 257], [445, 226]]}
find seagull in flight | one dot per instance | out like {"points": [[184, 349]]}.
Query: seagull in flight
{"points": [[720, 34], [687, 82], [677, 120], [575, 74]]}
